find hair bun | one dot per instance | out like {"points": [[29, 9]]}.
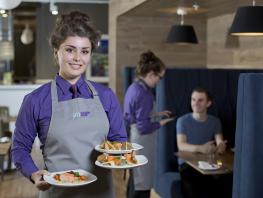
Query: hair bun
{"points": [[149, 62], [74, 23], [73, 17], [147, 57]]}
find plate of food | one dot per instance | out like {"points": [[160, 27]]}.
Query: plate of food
{"points": [[125, 161], [70, 178], [117, 147]]}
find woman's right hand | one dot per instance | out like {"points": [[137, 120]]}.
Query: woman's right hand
{"points": [[37, 177], [165, 121]]}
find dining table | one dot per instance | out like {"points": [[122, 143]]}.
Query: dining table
{"points": [[223, 161], [4, 150], [8, 119]]}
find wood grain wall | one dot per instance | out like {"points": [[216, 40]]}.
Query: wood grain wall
{"points": [[137, 34], [224, 51]]}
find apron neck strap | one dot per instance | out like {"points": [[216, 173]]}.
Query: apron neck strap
{"points": [[54, 93], [92, 89], [143, 83]]}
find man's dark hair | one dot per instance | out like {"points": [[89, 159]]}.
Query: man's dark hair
{"points": [[203, 90]]}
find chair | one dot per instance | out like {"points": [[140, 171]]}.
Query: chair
{"points": [[5, 148], [4, 151], [4, 112]]}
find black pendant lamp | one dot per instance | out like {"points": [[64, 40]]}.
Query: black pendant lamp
{"points": [[182, 34], [248, 21]]}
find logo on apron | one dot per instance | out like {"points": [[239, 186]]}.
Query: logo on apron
{"points": [[79, 115]]}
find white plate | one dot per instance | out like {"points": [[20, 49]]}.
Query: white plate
{"points": [[207, 166], [91, 178], [134, 145], [142, 160]]}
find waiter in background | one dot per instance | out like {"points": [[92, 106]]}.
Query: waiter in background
{"points": [[140, 115]]}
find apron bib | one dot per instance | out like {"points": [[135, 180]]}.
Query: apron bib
{"points": [[76, 127]]}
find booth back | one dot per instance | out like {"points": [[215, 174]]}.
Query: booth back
{"points": [[174, 93]]}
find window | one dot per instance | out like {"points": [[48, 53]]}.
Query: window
{"points": [[98, 71]]}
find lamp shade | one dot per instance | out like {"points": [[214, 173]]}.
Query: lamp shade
{"points": [[9, 4], [27, 36], [182, 34], [248, 21]]}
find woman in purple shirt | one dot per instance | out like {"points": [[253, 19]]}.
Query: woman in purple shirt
{"points": [[70, 115], [139, 114]]}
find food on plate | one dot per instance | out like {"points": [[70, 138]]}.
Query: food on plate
{"points": [[117, 160], [112, 145], [70, 177]]}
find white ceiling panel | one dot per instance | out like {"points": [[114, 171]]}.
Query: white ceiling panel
{"points": [[69, 1]]}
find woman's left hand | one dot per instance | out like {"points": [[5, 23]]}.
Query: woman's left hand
{"points": [[164, 113]]}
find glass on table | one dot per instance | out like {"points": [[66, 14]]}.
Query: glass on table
{"points": [[214, 159]]}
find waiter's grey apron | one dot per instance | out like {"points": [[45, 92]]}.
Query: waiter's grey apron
{"points": [[76, 127], [143, 175]]}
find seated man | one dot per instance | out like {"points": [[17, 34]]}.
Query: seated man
{"points": [[198, 132]]}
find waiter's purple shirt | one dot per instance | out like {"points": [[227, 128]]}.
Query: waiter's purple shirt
{"points": [[35, 115], [138, 105]]}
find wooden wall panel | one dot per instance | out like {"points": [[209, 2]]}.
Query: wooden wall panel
{"points": [[226, 51], [136, 34]]}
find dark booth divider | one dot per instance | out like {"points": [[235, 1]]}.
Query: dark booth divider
{"points": [[248, 173]]}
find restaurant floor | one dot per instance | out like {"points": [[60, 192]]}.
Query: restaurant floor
{"points": [[14, 185]]}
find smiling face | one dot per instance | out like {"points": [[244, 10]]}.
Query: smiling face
{"points": [[200, 102], [73, 57]]}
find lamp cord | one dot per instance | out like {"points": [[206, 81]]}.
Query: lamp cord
{"points": [[182, 19]]}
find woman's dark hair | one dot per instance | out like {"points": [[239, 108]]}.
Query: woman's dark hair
{"points": [[74, 23], [149, 62]]}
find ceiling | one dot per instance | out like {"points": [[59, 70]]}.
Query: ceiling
{"points": [[25, 13], [69, 1], [213, 7], [151, 8]]}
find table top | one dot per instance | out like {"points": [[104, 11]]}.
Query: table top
{"points": [[192, 159], [7, 119]]}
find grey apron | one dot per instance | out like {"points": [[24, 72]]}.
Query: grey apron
{"points": [[143, 175], [76, 127]]}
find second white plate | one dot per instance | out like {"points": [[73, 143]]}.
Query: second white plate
{"points": [[142, 160], [134, 145], [90, 178]]}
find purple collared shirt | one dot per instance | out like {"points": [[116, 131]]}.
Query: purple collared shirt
{"points": [[35, 115], [138, 106]]}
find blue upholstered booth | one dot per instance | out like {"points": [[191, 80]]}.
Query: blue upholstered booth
{"points": [[173, 93], [248, 172]]}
